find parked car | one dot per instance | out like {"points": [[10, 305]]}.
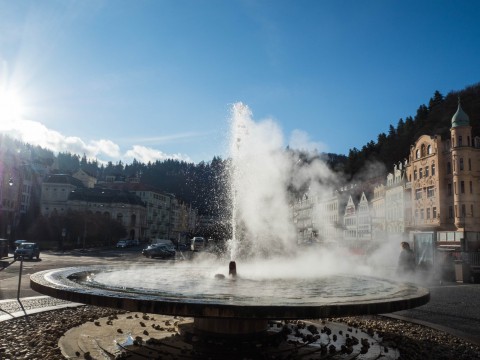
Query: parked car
{"points": [[132, 242], [159, 250], [27, 250], [18, 242], [122, 244]]}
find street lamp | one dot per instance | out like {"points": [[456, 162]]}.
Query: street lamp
{"points": [[64, 233]]}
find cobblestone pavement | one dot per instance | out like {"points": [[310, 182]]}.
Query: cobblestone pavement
{"points": [[14, 308]]}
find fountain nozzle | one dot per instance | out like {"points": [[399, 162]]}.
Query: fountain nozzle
{"points": [[232, 269]]}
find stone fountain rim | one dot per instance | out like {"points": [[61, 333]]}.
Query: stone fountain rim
{"points": [[57, 283]]}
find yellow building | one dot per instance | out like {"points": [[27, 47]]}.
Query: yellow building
{"points": [[444, 178]]}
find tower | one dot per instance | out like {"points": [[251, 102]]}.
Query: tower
{"points": [[462, 155]]}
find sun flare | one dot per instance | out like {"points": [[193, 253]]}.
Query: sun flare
{"points": [[11, 106]]}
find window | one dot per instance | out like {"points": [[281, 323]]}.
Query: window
{"points": [[471, 187], [469, 164], [433, 169], [461, 164], [428, 213], [460, 140], [449, 168], [422, 214], [429, 149], [426, 171], [417, 154], [414, 174], [450, 212], [418, 194], [434, 212], [430, 192], [464, 213], [449, 189], [420, 173], [462, 187]]}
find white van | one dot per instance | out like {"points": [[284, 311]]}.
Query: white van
{"points": [[198, 243]]}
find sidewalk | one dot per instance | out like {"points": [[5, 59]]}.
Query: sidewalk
{"points": [[13, 308]]}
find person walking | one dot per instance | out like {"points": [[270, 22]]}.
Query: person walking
{"points": [[406, 260]]}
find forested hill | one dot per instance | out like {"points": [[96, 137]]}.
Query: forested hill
{"points": [[204, 184], [433, 118]]}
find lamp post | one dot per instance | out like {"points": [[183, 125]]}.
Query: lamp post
{"points": [[64, 233], [9, 230]]}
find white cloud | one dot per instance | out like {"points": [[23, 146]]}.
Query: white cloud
{"points": [[144, 155], [103, 150]]}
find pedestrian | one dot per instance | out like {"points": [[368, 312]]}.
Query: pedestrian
{"points": [[406, 260]]}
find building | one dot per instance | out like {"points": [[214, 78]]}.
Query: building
{"points": [[55, 192], [167, 217], [122, 206], [378, 212], [397, 202], [88, 180], [444, 178]]}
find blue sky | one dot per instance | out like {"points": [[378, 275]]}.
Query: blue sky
{"points": [[157, 79]]}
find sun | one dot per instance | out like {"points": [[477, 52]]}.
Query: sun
{"points": [[11, 105]]}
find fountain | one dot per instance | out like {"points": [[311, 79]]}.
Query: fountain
{"points": [[228, 302]]}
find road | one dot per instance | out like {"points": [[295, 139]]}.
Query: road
{"points": [[453, 307], [9, 276]]}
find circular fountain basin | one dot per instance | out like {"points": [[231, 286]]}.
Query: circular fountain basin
{"points": [[194, 291]]}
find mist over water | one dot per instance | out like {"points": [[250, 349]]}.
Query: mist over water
{"points": [[263, 173]]}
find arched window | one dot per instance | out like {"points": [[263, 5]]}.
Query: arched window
{"points": [[429, 149], [423, 150], [417, 154]]}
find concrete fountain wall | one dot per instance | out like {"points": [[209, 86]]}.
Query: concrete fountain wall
{"points": [[225, 313]]}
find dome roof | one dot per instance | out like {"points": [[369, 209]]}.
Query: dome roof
{"points": [[460, 118]]}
